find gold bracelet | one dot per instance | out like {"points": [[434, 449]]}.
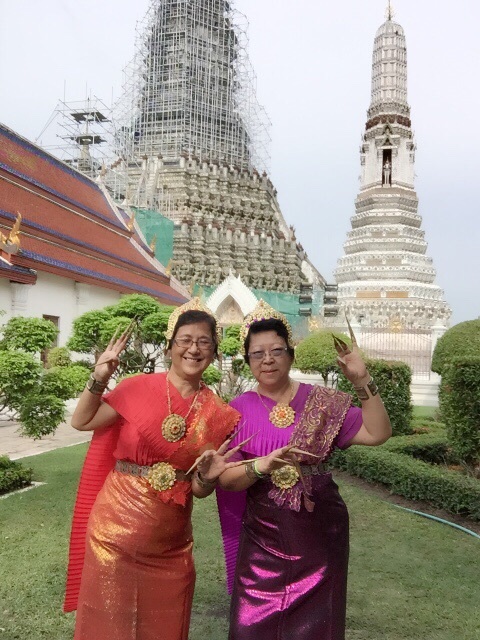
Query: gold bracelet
{"points": [[250, 471], [362, 392], [205, 484]]}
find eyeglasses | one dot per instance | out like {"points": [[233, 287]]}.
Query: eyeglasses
{"points": [[276, 353], [204, 344]]}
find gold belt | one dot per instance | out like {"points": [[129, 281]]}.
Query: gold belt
{"points": [[313, 469], [161, 476]]}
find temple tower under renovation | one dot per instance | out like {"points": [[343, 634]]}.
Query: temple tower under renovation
{"points": [[386, 281], [193, 144]]}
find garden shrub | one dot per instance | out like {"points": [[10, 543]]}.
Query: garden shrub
{"points": [[393, 381], [40, 414], [429, 447], [13, 475], [412, 478], [460, 405], [212, 375], [461, 340], [28, 334], [317, 354], [65, 382], [19, 375], [58, 357]]}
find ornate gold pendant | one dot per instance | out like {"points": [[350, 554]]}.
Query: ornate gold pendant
{"points": [[161, 476], [286, 477], [282, 416], [174, 427]]}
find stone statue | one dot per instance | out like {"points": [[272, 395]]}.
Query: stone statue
{"points": [[387, 168]]}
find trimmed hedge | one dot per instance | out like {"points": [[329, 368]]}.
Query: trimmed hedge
{"points": [[412, 478], [429, 447], [393, 380], [461, 340], [460, 406], [13, 475]]}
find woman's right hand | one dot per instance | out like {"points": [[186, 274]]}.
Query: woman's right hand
{"points": [[107, 363], [269, 463]]}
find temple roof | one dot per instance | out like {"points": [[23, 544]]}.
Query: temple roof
{"points": [[70, 227]]}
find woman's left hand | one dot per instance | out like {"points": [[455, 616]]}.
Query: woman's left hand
{"points": [[353, 367]]}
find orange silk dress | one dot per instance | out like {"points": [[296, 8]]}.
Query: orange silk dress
{"points": [[131, 572]]}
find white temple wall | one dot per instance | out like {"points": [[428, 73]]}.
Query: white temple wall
{"points": [[53, 296]]}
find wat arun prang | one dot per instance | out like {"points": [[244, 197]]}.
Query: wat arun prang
{"points": [[194, 146], [386, 282]]}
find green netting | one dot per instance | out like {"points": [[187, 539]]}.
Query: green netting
{"points": [[286, 303], [153, 224]]}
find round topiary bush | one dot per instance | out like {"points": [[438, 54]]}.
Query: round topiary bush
{"points": [[462, 340]]}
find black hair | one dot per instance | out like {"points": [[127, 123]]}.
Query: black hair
{"points": [[195, 316], [268, 325]]}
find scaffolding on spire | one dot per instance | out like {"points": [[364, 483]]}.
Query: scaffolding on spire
{"points": [[190, 91]]}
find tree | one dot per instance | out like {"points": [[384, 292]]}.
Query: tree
{"points": [[317, 354], [22, 389], [32, 335], [460, 341], [232, 376], [19, 375], [145, 350]]}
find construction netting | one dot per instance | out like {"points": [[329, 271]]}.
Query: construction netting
{"points": [[157, 229]]}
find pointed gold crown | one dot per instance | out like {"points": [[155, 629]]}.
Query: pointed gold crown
{"points": [[263, 311], [195, 304]]}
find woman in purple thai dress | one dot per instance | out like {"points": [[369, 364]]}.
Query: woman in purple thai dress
{"points": [[286, 527]]}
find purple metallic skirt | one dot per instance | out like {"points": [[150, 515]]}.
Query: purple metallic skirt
{"points": [[291, 574]]}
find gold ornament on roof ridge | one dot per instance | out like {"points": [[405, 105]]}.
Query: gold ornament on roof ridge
{"points": [[195, 304], [263, 311]]}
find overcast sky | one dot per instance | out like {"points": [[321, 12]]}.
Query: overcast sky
{"points": [[313, 63]]}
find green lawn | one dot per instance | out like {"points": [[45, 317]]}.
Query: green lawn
{"points": [[411, 579], [424, 412]]}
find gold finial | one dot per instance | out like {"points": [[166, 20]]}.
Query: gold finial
{"points": [[313, 324], [14, 235], [168, 270], [153, 243], [131, 222], [389, 13]]}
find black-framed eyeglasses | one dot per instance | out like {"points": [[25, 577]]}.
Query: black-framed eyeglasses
{"points": [[276, 353], [204, 344]]}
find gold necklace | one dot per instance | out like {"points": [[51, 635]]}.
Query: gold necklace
{"points": [[174, 426], [282, 415]]}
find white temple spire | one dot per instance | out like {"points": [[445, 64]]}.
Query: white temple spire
{"points": [[385, 278]]}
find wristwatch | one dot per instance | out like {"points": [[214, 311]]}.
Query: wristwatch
{"points": [[96, 387], [363, 392]]}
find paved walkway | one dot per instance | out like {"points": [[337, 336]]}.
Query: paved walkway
{"points": [[16, 446]]}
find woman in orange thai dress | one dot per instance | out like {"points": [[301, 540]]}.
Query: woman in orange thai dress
{"points": [[131, 572]]}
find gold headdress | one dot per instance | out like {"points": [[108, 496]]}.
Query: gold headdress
{"points": [[264, 311], [195, 304]]}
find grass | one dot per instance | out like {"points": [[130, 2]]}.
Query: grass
{"points": [[410, 578], [424, 412]]}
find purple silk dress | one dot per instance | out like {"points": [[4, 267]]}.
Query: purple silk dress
{"points": [[291, 561]]}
